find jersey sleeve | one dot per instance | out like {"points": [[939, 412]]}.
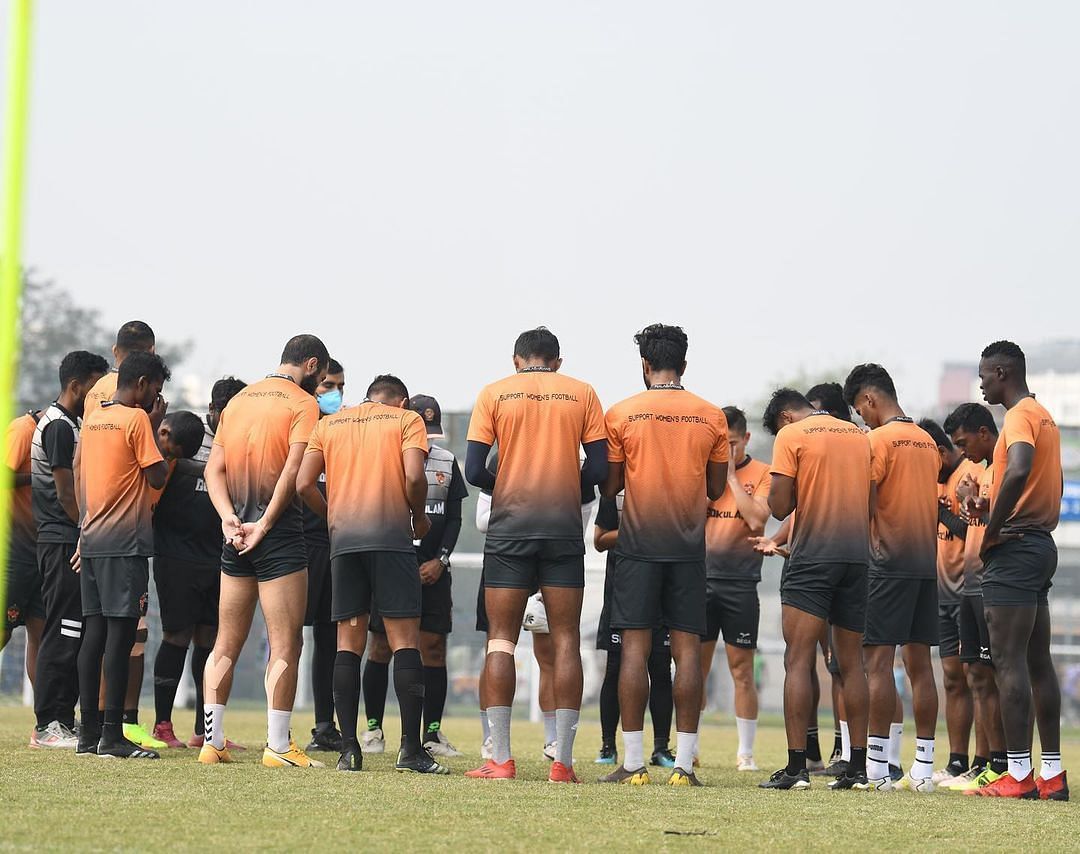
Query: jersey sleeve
{"points": [[721, 449], [305, 417], [879, 458], [594, 429], [785, 454], [143, 443], [607, 515], [482, 422], [1019, 427], [764, 484], [458, 490], [315, 441], [414, 433], [58, 441], [616, 453]]}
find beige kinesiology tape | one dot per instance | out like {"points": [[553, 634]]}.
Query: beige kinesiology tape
{"points": [[273, 674], [216, 668], [500, 645]]}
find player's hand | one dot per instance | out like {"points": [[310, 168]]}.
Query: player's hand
{"points": [[76, 559], [431, 571], [967, 487], [420, 526], [157, 412], [251, 534], [231, 531], [766, 546]]}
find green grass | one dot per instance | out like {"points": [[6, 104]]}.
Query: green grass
{"points": [[51, 800]]}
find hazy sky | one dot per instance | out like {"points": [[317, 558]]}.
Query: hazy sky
{"points": [[801, 185]]}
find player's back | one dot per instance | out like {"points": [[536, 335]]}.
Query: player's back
{"points": [[103, 390]]}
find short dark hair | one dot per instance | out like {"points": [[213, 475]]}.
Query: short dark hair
{"points": [[865, 376], [830, 396], [225, 390], [187, 431], [969, 417], [300, 348], [782, 399], [540, 343], [1005, 350], [663, 347], [388, 384], [736, 420], [134, 337], [940, 437], [334, 367], [81, 365], [142, 364]]}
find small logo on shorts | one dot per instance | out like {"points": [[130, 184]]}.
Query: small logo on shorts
{"points": [[616, 637], [984, 653], [743, 639], [13, 614]]}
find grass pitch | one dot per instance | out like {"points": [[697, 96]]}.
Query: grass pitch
{"points": [[52, 800]]}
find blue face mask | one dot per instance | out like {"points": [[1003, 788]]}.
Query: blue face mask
{"points": [[330, 402]]}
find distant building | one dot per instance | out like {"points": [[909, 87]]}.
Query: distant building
{"points": [[954, 387]]}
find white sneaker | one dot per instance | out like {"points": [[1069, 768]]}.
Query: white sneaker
{"points": [[550, 750], [441, 746], [55, 736], [943, 776], [922, 785], [485, 749], [745, 762], [816, 767], [883, 784], [373, 741]]}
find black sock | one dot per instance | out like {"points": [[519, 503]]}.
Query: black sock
{"points": [[434, 700], [982, 761], [168, 668], [660, 696], [323, 659], [376, 679], [112, 725], [90, 653], [609, 699], [838, 743], [347, 693], [958, 762], [999, 762], [813, 748], [857, 763], [199, 654], [119, 639], [409, 687], [796, 761]]}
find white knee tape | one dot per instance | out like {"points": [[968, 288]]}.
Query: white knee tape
{"points": [[273, 674], [500, 645]]}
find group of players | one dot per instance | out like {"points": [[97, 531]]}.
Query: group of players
{"points": [[345, 519]]}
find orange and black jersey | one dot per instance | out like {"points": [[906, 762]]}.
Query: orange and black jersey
{"points": [[905, 463], [186, 525], [366, 493], [950, 548], [255, 432], [22, 547], [1039, 506], [117, 444], [104, 390], [976, 533], [540, 420], [829, 460], [665, 439], [729, 554]]}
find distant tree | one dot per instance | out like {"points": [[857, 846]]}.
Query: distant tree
{"points": [[53, 324]]}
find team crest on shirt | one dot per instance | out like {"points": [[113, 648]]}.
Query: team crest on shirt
{"points": [[748, 488]]}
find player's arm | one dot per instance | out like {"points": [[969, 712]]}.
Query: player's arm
{"points": [[953, 523], [603, 539], [217, 487], [416, 487], [483, 511], [1017, 471], [615, 480], [285, 488], [596, 463], [716, 479], [754, 510], [307, 481], [782, 496], [873, 498], [476, 470]]}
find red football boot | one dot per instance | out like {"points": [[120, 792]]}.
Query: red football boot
{"points": [[1054, 789]]}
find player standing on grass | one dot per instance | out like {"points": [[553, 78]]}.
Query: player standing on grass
{"points": [[733, 572], [119, 464], [1020, 558], [187, 572], [669, 449], [974, 432], [251, 477], [56, 514], [373, 455], [540, 420], [902, 607], [825, 576]]}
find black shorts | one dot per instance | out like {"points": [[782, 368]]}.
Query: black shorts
{"points": [[732, 609], [481, 606], [1020, 572], [319, 586], [652, 595], [948, 629], [900, 611], [114, 586], [436, 609], [832, 591], [187, 593], [531, 564], [23, 599], [387, 582], [974, 636], [275, 557]]}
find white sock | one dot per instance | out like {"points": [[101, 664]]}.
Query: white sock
{"points": [[845, 742], [1020, 764], [213, 724], [923, 766], [684, 751], [1051, 765], [634, 747], [499, 720], [896, 740], [549, 728], [747, 730], [877, 757], [277, 730], [566, 721], [485, 729]]}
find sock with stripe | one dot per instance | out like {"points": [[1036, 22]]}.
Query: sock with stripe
{"points": [[837, 742], [958, 763], [214, 724], [199, 655], [1019, 764], [877, 757], [1051, 765], [923, 766]]}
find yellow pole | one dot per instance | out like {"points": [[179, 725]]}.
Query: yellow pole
{"points": [[18, 77]]}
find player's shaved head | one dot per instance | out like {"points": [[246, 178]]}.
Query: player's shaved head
{"points": [[135, 336]]}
